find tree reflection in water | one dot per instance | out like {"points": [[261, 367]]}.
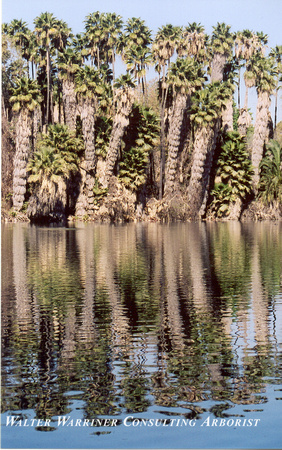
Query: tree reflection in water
{"points": [[125, 317]]}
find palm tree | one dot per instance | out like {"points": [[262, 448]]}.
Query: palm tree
{"points": [[206, 112], [135, 52], [112, 24], [276, 53], [230, 72], [221, 46], [25, 99], [193, 42], [69, 62], [185, 77], [50, 31], [95, 34], [247, 44], [124, 97], [87, 81], [163, 49], [264, 72]]}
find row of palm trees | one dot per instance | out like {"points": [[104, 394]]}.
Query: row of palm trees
{"points": [[71, 80]]}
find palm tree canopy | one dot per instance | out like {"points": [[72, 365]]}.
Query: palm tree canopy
{"points": [[208, 103], [264, 73], [25, 94], [69, 62], [222, 39], [185, 76], [165, 43]]}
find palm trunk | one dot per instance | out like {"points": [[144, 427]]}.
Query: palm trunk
{"points": [[162, 140], [261, 133], [217, 67], [69, 102], [202, 161], [174, 138], [23, 134], [244, 122], [121, 122], [227, 116], [118, 130], [85, 201], [275, 108], [48, 85], [239, 88]]}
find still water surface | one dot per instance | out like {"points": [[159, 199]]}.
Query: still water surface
{"points": [[142, 336]]}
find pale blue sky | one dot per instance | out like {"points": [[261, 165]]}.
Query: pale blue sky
{"points": [[256, 15]]}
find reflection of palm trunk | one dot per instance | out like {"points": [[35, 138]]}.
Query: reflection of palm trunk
{"points": [[23, 306], [197, 238], [259, 303], [68, 343], [85, 240], [175, 323], [105, 267]]}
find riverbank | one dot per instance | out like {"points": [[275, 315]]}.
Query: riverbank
{"points": [[115, 210]]}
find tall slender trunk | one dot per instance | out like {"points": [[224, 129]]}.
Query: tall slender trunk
{"points": [[113, 63], [121, 122], [174, 138], [217, 67], [239, 88], [23, 135], [275, 108], [261, 133], [162, 137], [227, 115], [48, 86], [69, 102], [85, 201], [204, 144]]}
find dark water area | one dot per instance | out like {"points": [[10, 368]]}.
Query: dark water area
{"points": [[142, 336]]}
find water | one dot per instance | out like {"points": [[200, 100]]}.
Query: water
{"points": [[142, 336]]}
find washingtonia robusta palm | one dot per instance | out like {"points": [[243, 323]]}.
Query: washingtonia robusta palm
{"points": [[163, 49], [123, 97], [69, 62], [265, 80], [50, 32], [221, 45], [25, 99], [88, 82], [193, 42], [206, 111], [95, 33], [276, 53], [112, 24], [185, 76], [135, 43]]}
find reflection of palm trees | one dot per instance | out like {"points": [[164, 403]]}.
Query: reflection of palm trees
{"points": [[171, 261], [259, 298], [106, 269], [85, 241], [23, 300]]}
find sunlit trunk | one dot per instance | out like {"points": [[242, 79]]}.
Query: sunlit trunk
{"points": [[69, 103], [261, 133], [23, 149], [204, 143], [174, 139]]}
